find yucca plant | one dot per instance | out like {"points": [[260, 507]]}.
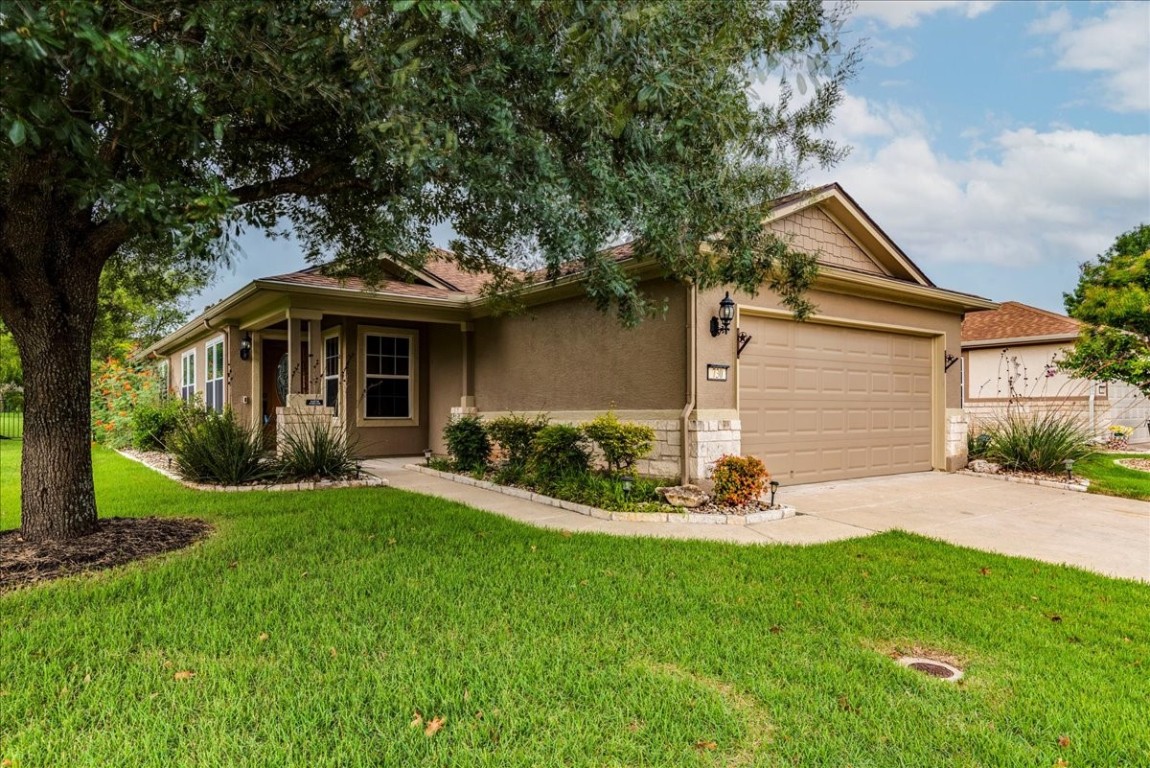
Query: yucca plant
{"points": [[316, 451], [1036, 442], [213, 447]]}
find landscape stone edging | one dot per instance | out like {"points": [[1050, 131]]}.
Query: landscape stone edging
{"points": [[686, 516], [1081, 487], [365, 480]]}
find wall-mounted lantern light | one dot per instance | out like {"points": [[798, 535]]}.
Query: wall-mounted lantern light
{"points": [[722, 323], [246, 347]]}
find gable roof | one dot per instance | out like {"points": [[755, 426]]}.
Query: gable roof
{"points": [[439, 276], [855, 223], [1018, 322]]}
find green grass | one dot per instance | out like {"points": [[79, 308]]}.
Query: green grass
{"points": [[1110, 479], [542, 649]]}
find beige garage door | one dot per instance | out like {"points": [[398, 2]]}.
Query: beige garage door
{"points": [[823, 402]]}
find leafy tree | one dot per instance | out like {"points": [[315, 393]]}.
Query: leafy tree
{"points": [[1113, 297], [538, 129]]}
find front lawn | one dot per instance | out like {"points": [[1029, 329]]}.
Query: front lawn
{"points": [[334, 627], [1110, 479]]}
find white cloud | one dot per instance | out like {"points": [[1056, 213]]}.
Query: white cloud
{"points": [[1053, 197], [908, 13], [1116, 45]]}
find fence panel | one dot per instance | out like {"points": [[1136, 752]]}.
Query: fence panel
{"points": [[11, 425]]}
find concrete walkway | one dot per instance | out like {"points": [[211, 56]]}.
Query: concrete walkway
{"points": [[1100, 533]]}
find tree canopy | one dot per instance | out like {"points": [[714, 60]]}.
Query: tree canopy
{"points": [[539, 130], [1113, 297]]}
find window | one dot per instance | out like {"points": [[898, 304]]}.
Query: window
{"points": [[387, 376], [331, 372], [214, 380], [188, 375]]}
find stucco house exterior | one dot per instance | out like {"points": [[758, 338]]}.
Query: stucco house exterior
{"points": [[1010, 363], [863, 388]]}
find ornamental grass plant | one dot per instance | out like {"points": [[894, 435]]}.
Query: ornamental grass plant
{"points": [[1037, 442]]}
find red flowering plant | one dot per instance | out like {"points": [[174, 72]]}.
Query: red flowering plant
{"points": [[117, 388], [739, 480]]}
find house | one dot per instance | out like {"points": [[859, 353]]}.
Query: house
{"points": [[863, 388], [1010, 363]]}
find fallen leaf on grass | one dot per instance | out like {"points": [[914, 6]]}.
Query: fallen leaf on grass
{"points": [[776, 629], [1055, 617], [846, 706], [1060, 763], [984, 571], [88, 678], [184, 674], [5, 763], [416, 719], [567, 534], [264, 636], [434, 726], [167, 665], [234, 564], [1064, 741], [333, 652], [705, 745]]}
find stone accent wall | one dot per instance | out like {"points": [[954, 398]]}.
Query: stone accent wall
{"points": [[663, 461], [812, 231], [957, 424], [298, 418], [709, 440]]}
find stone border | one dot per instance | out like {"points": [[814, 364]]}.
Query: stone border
{"points": [[1080, 487], [1120, 462], [365, 480], [686, 516]]}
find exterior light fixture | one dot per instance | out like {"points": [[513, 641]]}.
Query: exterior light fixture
{"points": [[246, 346], [628, 484], [427, 456], [1069, 464], [722, 323], [774, 489]]}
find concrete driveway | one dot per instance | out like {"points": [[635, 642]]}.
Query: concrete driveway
{"points": [[1100, 533]]}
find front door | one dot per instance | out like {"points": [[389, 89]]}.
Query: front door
{"points": [[273, 373]]}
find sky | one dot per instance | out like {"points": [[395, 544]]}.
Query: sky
{"points": [[999, 144]]}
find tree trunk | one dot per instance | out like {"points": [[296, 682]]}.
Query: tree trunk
{"points": [[49, 282], [58, 500]]}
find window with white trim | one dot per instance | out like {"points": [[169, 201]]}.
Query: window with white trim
{"points": [[188, 375], [387, 376], [331, 372], [214, 378]]}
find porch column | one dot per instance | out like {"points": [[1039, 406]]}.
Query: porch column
{"points": [[467, 399], [314, 371], [257, 364], [294, 357]]}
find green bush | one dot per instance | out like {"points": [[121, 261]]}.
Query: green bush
{"points": [[1036, 442], [976, 444], [739, 479], [608, 492], [515, 435], [560, 450], [317, 451], [211, 447], [154, 423], [468, 443], [622, 444]]}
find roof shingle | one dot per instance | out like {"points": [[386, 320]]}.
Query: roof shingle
{"points": [[1014, 320]]}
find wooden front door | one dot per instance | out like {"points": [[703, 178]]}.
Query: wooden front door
{"points": [[271, 373]]}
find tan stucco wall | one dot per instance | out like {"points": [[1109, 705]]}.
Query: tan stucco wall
{"points": [[813, 231], [237, 373], [569, 356], [723, 396], [445, 386]]}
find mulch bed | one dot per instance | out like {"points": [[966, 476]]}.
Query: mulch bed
{"points": [[118, 540], [1139, 464]]}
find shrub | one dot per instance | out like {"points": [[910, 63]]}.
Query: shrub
{"points": [[622, 444], [214, 447], [560, 450], [515, 435], [976, 444], [1036, 443], [739, 480], [316, 451], [607, 492], [154, 423], [468, 443], [117, 388]]}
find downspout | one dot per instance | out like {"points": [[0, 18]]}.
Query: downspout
{"points": [[685, 416]]}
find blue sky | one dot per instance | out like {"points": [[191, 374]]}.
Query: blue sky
{"points": [[998, 143]]}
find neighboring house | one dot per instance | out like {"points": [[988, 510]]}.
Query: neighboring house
{"points": [[861, 389], [1010, 363]]}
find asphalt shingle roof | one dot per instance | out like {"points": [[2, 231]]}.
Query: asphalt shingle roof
{"points": [[1014, 320]]}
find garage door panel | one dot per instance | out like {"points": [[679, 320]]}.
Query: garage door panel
{"points": [[821, 402]]}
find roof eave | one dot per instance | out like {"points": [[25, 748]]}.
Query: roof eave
{"points": [[1021, 341]]}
